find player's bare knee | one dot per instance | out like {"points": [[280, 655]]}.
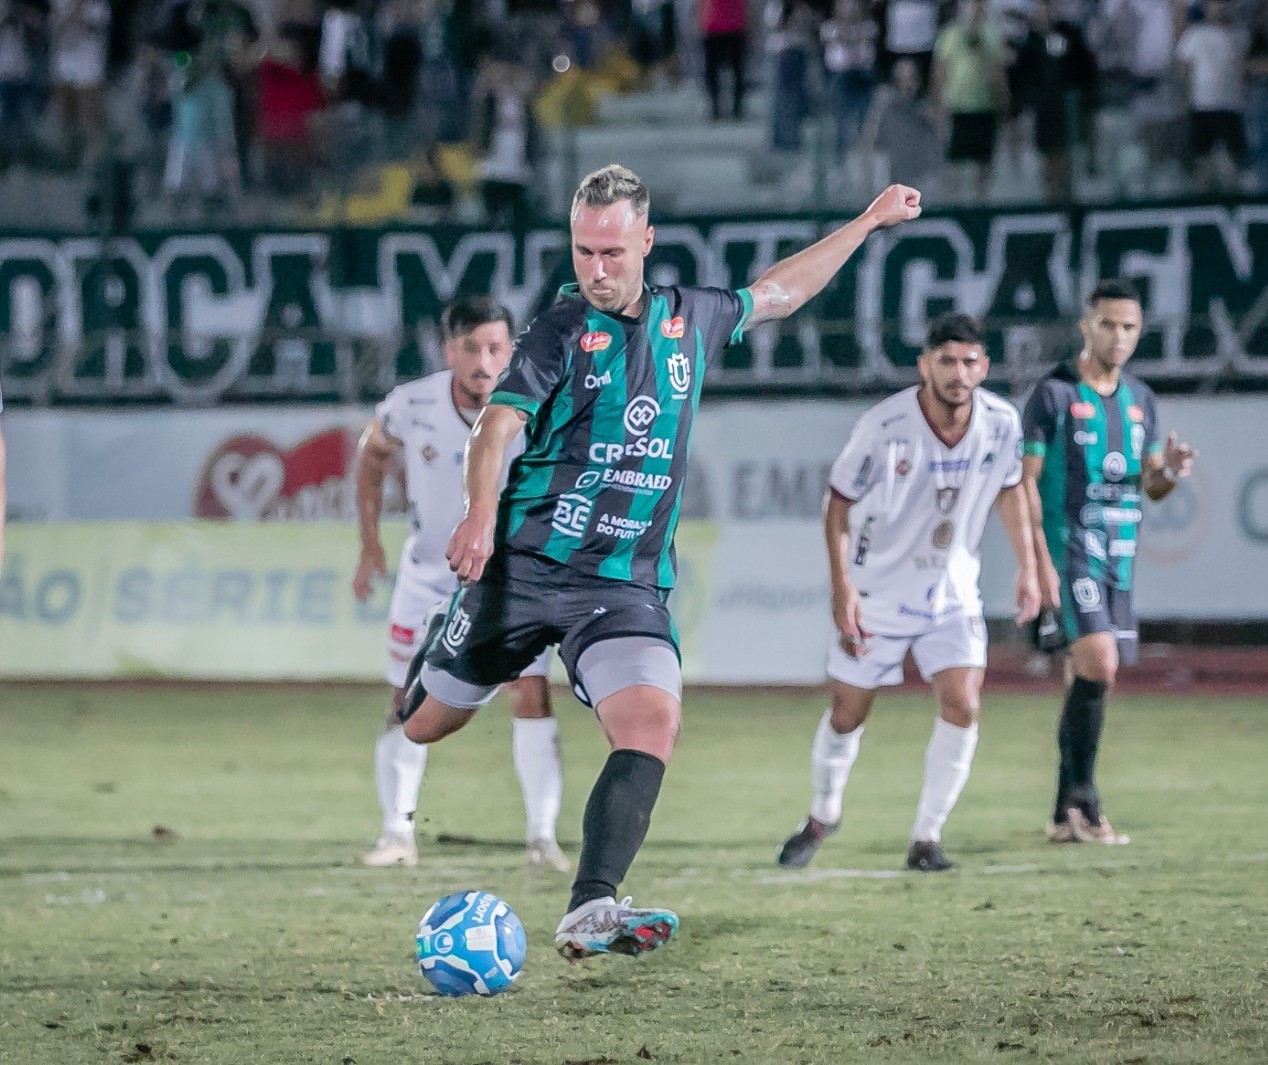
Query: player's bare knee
{"points": [[395, 705], [850, 708], [530, 698], [960, 710]]}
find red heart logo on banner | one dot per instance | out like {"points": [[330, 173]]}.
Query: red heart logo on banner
{"points": [[250, 478]]}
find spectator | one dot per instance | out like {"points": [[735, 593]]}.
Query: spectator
{"points": [[1213, 55], [288, 97], [849, 59], [1257, 94], [402, 66], [77, 59], [507, 139], [346, 59], [970, 85], [724, 35], [793, 43], [899, 127], [1055, 70], [654, 39], [202, 158], [20, 25], [909, 29]]}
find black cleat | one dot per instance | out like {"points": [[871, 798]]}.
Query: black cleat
{"points": [[925, 856], [800, 847]]}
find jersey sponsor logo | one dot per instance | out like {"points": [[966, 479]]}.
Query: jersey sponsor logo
{"points": [[593, 382], [1122, 549], [621, 528], [654, 447], [673, 328], [1084, 438], [640, 413], [1121, 515], [1082, 409], [572, 514], [680, 373], [946, 498], [588, 479], [457, 629], [890, 420], [949, 465], [1090, 514], [903, 468], [1138, 440], [865, 471], [400, 634], [1135, 413], [1087, 596], [1094, 544], [595, 341], [429, 453], [942, 535], [988, 460], [1114, 466], [1112, 493]]}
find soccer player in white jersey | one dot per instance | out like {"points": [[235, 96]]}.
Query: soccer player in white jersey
{"points": [[427, 423], [908, 500]]}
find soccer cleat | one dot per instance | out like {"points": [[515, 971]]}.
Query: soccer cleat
{"points": [[1060, 832], [392, 848], [925, 856], [545, 853], [602, 926], [800, 847], [1087, 831]]}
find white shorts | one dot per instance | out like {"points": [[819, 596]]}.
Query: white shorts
{"points": [[414, 602], [956, 642]]}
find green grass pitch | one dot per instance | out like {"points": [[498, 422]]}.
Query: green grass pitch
{"points": [[243, 930]]}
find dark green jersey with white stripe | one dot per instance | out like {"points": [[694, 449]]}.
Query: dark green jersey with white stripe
{"points": [[1093, 448], [610, 402]]}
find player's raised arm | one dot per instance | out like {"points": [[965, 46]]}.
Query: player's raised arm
{"points": [[374, 451], [1014, 512], [792, 282], [1165, 469], [471, 545]]}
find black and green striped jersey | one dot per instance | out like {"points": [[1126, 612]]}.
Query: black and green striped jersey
{"points": [[1093, 448], [610, 402]]}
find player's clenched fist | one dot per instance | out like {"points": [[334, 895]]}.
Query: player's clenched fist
{"points": [[898, 203], [471, 546]]}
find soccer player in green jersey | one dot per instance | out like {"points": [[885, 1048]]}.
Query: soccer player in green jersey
{"points": [[578, 550], [1091, 450]]}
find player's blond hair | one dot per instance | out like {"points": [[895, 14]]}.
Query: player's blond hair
{"points": [[612, 184]]}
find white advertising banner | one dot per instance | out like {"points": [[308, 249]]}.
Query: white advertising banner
{"points": [[756, 591]]}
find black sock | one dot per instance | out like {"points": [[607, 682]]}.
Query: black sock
{"points": [[618, 813], [1079, 737]]}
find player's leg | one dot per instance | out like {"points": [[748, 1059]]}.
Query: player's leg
{"points": [[624, 662], [535, 746], [399, 765], [952, 658], [853, 680]]}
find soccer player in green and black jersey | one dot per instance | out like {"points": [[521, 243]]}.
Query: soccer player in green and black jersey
{"points": [[579, 550], [1091, 453]]}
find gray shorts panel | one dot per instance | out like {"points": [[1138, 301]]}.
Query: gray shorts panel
{"points": [[454, 692], [609, 666]]}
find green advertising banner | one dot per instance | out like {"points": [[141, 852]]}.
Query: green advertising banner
{"points": [[194, 318], [220, 601]]}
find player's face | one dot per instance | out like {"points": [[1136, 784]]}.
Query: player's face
{"points": [[477, 360], [953, 370], [608, 248], [1111, 331]]}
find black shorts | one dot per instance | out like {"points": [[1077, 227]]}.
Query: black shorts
{"points": [[972, 138], [1089, 606], [1209, 129], [493, 629]]}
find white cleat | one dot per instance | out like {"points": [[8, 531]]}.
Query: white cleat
{"points": [[602, 926], [545, 854], [392, 849]]}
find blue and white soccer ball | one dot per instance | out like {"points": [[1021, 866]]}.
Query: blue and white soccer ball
{"points": [[470, 943]]}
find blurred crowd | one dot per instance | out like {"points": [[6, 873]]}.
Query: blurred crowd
{"points": [[364, 108]]}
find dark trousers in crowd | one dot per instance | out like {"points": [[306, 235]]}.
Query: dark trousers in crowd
{"points": [[724, 51]]}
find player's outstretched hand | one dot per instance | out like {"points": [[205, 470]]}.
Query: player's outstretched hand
{"points": [[471, 546], [373, 563], [1049, 587], [1177, 456], [1028, 598], [898, 203]]}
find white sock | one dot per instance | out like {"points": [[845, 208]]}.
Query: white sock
{"points": [[947, 761], [831, 757], [535, 745], [399, 763]]}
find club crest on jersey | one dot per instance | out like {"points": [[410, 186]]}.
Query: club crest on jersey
{"points": [[673, 328], [457, 629], [1135, 413], [429, 454], [903, 468], [1082, 409], [595, 341], [680, 372]]}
